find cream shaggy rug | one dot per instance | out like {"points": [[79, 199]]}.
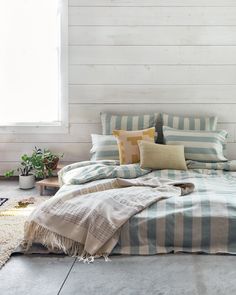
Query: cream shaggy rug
{"points": [[13, 215]]}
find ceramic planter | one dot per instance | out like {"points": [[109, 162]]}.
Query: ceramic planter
{"points": [[26, 182]]}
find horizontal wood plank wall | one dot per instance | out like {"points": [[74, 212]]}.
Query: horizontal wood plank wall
{"points": [[128, 56]]}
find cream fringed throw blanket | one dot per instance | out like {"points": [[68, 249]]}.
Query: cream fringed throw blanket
{"points": [[87, 221]]}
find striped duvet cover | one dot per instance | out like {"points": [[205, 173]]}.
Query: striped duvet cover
{"points": [[204, 221]]}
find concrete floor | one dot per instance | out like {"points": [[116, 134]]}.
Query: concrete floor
{"points": [[160, 275]]}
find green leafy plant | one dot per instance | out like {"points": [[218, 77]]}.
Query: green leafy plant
{"points": [[9, 173], [44, 162], [25, 168], [41, 163], [38, 164]]}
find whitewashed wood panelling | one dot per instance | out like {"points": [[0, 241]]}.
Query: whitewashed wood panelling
{"points": [[78, 133], [152, 74], [73, 151], [134, 56], [148, 16], [152, 3], [152, 55], [152, 94], [152, 35]]}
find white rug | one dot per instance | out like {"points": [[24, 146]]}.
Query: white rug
{"points": [[13, 215]]}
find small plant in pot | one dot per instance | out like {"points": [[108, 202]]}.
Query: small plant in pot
{"points": [[44, 162], [26, 178]]}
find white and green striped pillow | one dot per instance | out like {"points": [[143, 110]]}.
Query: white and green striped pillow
{"points": [[205, 146], [189, 123], [112, 122], [104, 147]]}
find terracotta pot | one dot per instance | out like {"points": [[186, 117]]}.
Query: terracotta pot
{"points": [[26, 182], [52, 165]]}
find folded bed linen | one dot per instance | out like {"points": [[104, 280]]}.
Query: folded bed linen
{"points": [[159, 222], [87, 171]]}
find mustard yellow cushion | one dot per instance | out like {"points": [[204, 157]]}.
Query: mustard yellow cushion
{"points": [[160, 156], [128, 143]]}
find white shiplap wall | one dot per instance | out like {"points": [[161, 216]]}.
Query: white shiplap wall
{"points": [[129, 56]]}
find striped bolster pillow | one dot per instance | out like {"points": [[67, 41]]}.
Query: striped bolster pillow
{"points": [[226, 166], [189, 123], [205, 146], [104, 147], [127, 122]]}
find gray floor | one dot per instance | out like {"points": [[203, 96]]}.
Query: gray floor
{"points": [[160, 275]]}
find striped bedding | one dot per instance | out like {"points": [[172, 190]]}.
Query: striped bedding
{"points": [[204, 221]]}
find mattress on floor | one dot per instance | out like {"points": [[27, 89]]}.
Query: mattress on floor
{"points": [[204, 221]]}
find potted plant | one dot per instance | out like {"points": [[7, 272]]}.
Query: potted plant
{"points": [[26, 178], [40, 165], [44, 162]]}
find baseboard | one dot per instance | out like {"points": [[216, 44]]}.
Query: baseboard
{"points": [[9, 178]]}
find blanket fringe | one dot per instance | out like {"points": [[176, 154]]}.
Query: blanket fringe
{"points": [[56, 243]]}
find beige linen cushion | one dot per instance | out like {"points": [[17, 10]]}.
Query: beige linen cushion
{"points": [[159, 156], [128, 143]]}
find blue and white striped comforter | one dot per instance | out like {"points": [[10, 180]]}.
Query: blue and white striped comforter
{"points": [[204, 221]]}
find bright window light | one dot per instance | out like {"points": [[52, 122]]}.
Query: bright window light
{"points": [[29, 62]]}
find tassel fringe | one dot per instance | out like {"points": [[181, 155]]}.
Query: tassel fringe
{"points": [[56, 243]]}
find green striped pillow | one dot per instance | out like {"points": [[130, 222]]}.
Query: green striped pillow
{"points": [[127, 122], [104, 147], [205, 146], [189, 123]]}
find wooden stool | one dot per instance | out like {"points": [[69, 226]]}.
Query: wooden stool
{"points": [[47, 182]]}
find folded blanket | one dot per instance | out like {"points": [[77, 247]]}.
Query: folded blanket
{"points": [[82, 172], [86, 220]]}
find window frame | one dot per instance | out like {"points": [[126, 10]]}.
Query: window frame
{"points": [[63, 125]]}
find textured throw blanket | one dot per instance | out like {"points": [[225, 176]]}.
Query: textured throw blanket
{"points": [[85, 220]]}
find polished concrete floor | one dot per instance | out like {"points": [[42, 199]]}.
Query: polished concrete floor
{"points": [[160, 275]]}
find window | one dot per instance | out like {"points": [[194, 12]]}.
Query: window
{"points": [[33, 65]]}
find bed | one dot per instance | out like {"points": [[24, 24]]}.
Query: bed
{"points": [[203, 221], [128, 198]]}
